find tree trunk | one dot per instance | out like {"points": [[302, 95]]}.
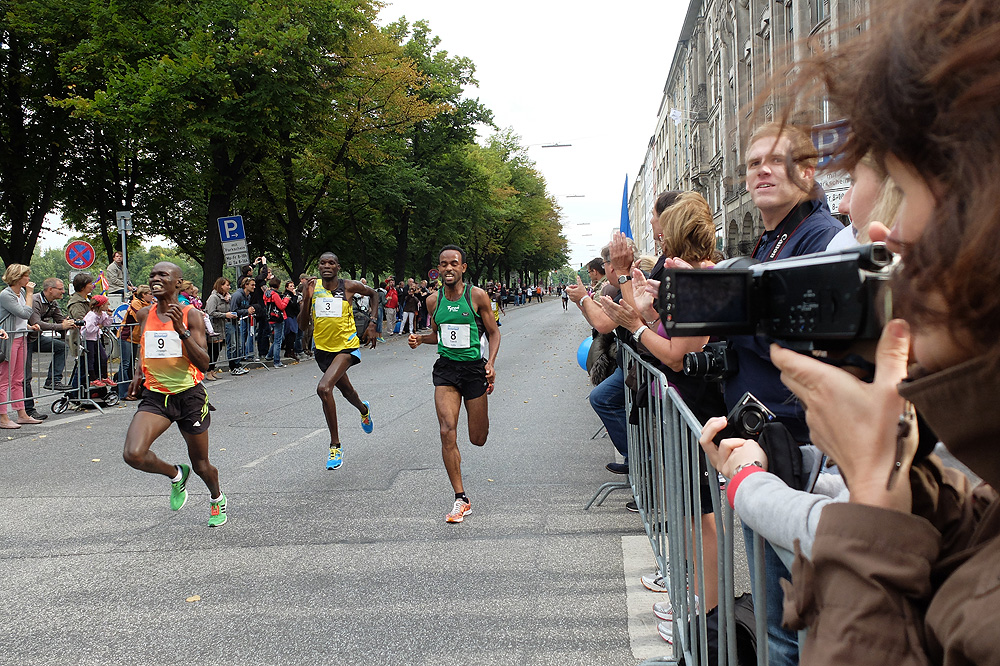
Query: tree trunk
{"points": [[219, 205], [402, 238]]}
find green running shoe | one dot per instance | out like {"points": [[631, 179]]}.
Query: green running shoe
{"points": [[178, 491], [217, 512]]}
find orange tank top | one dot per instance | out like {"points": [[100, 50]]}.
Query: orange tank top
{"points": [[165, 364]]}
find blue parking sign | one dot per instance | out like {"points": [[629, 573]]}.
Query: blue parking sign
{"points": [[231, 228]]}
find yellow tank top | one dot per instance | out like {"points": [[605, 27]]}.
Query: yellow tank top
{"points": [[165, 364], [333, 319]]}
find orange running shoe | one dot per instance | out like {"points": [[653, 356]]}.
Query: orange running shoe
{"points": [[459, 512]]}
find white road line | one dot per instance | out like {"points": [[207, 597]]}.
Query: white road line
{"points": [[71, 419], [637, 561], [286, 447]]}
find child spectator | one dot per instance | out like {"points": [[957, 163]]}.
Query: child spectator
{"points": [[276, 305], [97, 359]]}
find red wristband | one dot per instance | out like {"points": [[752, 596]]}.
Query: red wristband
{"points": [[737, 480]]}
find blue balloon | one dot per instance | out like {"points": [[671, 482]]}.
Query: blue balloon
{"points": [[583, 351]]}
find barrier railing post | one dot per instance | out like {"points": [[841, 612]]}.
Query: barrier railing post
{"points": [[666, 470]]}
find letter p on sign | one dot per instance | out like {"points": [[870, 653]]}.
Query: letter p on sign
{"points": [[231, 228]]}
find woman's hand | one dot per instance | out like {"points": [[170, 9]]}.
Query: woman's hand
{"points": [[621, 313], [856, 423], [731, 452], [643, 296], [620, 253]]}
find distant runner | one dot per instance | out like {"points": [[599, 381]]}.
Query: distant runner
{"points": [[461, 315], [173, 357], [335, 336]]}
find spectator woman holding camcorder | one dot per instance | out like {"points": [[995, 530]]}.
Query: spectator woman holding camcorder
{"points": [[905, 572]]}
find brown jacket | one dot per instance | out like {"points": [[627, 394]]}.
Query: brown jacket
{"points": [[888, 588]]}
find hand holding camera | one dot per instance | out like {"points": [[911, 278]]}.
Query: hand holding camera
{"points": [[731, 453]]}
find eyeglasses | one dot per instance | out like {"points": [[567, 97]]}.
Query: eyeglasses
{"points": [[607, 263]]}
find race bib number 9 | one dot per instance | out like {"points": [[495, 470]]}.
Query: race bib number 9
{"points": [[327, 306], [163, 344], [455, 336]]}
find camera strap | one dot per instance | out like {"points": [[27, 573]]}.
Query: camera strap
{"points": [[785, 230]]}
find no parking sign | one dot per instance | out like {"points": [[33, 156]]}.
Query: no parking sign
{"points": [[80, 255]]}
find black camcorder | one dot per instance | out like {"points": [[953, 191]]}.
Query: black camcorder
{"points": [[823, 301]]}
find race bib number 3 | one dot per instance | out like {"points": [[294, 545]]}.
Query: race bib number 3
{"points": [[163, 344], [330, 307], [455, 336]]}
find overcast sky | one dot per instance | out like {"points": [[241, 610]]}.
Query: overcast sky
{"points": [[556, 71]]}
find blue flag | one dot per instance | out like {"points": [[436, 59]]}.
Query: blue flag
{"points": [[625, 228]]}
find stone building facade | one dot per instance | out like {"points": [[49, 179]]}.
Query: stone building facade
{"points": [[726, 52]]}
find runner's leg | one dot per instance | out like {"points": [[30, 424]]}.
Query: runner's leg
{"points": [[448, 402], [477, 410], [348, 391], [198, 452], [337, 370], [142, 432]]}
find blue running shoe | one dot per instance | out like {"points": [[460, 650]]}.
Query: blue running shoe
{"points": [[336, 458], [366, 421]]}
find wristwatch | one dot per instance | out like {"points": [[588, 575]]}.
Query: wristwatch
{"points": [[745, 465], [185, 335], [637, 336], [622, 279]]}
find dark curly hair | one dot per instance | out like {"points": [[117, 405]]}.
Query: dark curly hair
{"points": [[923, 85]]}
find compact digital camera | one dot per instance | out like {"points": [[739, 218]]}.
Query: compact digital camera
{"points": [[746, 419], [826, 300]]}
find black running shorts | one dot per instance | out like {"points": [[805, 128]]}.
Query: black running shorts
{"points": [[469, 377], [188, 409], [325, 358]]}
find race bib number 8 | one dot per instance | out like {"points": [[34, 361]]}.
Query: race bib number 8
{"points": [[455, 336], [327, 306], [163, 344]]}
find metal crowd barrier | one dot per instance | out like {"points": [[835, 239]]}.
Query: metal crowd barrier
{"points": [[76, 374], [666, 469]]}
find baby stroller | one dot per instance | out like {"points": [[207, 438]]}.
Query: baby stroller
{"points": [[83, 394]]}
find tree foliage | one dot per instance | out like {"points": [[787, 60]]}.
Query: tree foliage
{"points": [[323, 130]]}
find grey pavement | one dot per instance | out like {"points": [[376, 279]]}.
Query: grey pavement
{"points": [[354, 566]]}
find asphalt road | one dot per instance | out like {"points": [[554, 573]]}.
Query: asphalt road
{"points": [[355, 566]]}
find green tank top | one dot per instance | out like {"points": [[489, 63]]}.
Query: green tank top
{"points": [[459, 327]]}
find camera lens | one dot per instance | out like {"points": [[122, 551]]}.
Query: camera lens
{"points": [[697, 364], [752, 421]]}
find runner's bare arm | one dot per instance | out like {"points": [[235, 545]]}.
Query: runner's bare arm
{"points": [[136, 384], [485, 309], [196, 344], [428, 338], [306, 311], [353, 287]]}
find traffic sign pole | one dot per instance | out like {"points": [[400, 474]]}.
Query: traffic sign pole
{"points": [[124, 218]]}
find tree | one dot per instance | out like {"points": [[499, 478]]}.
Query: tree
{"points": [[34, 135], [225, 80], [376, 94]]}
